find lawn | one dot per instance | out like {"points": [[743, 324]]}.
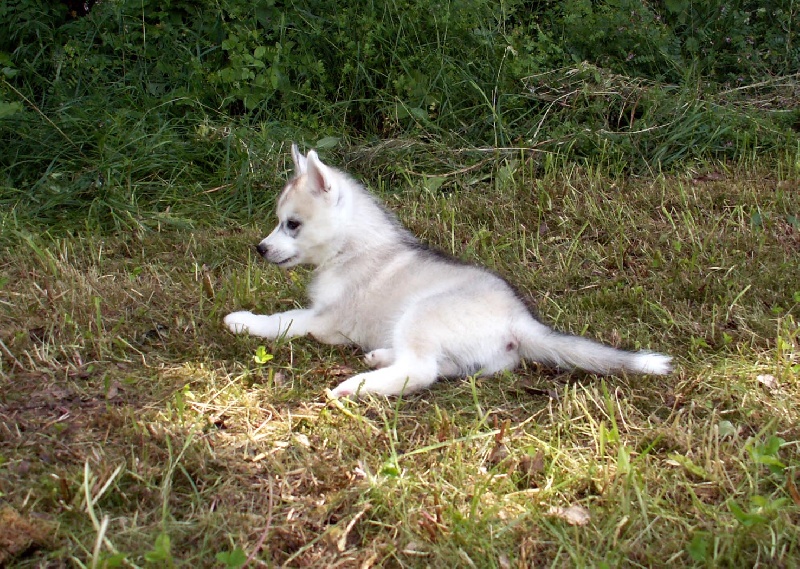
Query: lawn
{"points": [[135, 431]]}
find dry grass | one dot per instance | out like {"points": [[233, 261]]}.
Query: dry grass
{"points": [[135, 431]]}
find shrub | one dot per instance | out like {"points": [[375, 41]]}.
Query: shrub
{"points": [[149, 95]]}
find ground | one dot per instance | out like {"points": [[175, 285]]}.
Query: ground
{"points": [[136, 431]]}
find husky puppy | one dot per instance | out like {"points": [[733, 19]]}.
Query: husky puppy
{"points": [[418, 314]]}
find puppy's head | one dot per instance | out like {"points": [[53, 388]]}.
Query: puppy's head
{"points": [[308, 213]]}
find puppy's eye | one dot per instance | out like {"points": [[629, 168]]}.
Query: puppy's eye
{"points": [[292, 224]]}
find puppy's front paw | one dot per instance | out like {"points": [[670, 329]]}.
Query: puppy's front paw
{"points": [[379, 358], [240, 322]]}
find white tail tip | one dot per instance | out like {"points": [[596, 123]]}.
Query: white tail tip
{"points": [[654, 364]]}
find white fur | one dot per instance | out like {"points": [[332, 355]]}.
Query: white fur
{"points": [[419, 314]]}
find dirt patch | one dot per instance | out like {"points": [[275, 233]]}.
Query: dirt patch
{"points": [[20, 534]]}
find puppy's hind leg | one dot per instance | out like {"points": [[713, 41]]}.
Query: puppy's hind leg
{"points": [[413, 362], [404, 375]]}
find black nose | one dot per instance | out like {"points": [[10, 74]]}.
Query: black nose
{"points": [[262, 249]]}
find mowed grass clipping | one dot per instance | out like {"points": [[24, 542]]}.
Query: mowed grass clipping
{"points": [[135, 431]]}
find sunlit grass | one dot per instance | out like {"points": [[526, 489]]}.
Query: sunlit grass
{"points": [[136, 431]]}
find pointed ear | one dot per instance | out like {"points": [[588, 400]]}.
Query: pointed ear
{"points": [[300, 164], [318, 174]]}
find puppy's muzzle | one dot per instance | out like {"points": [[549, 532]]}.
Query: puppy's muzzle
{"points": [[262, 250]]}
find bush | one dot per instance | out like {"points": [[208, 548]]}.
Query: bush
{"points": [[147, 96]]}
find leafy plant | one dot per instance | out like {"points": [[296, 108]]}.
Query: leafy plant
{"points": [[262, 356], [766, 453], [161, 554], [232, 559], [119, 119]]}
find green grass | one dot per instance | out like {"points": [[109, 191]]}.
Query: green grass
{"points": [[144, 151], [136, 431]]}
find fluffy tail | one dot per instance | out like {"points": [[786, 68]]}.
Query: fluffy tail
{"points": [[540, 343]]}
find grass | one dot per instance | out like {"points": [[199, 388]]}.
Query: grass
{"points": [[137, 432]]}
